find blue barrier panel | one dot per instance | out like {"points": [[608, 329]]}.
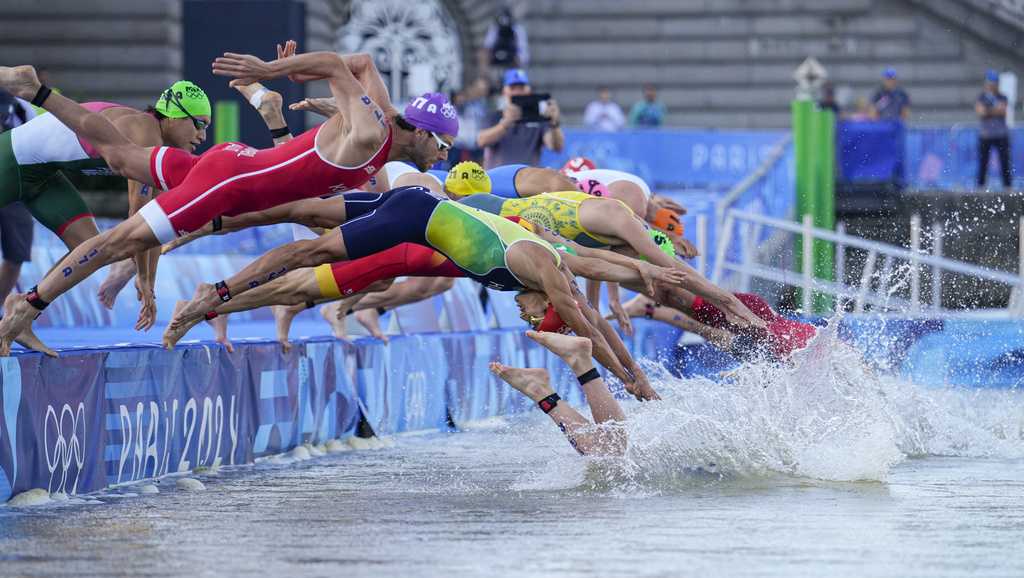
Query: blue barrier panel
{"points": [[672, 158], [870, 151], [947, 158]]}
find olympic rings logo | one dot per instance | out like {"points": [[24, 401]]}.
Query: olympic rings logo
{"points": [[67, 448]]}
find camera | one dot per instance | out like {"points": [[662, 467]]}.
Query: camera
{"points": [[533, 106]]}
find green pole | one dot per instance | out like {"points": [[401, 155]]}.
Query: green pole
{"points": [[225, 121], [825, 202], [803, 149]]}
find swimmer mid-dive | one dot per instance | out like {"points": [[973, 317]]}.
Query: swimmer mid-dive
{"points": [[486, 248], [782, 335], [37, 157], [606, 436], [339, 155]]}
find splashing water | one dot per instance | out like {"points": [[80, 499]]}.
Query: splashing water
{"points": [[825, 416]]}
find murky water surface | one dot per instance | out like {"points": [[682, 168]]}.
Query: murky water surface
{"points": [[821, 469]]}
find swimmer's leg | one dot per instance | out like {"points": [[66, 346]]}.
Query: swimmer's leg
{"points": [[122, 155], [535, 384], [295, 288], [577, 353], [610, 439]]}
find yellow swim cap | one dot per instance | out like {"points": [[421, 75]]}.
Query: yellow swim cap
{"points": [[467, 178]]}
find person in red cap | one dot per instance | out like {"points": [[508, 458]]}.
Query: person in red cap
{"points": [[339, 155], [780, 338]]}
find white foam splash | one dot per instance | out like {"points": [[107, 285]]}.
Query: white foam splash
{"points": [[825, 416]]}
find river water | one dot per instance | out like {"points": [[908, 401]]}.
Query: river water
{"points": [[820, 469]]}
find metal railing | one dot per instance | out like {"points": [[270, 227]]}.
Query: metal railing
{"points": [[878, 286]]}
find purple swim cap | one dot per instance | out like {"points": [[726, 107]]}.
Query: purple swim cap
{"points": [[433, 112]]}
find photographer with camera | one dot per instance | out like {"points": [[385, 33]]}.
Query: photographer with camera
{"points": [[525, 123]]}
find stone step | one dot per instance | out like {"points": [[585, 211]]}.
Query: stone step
{"points": [[96, 56], [745, 118], [761, 98], [58, 32], [91, 10], [130, 87], [735, 74], [752, 50], [667, 8], [654, 28]]}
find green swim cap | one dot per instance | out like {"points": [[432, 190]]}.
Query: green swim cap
{"points": [[183, 97], [565, 248], [663, 242]]}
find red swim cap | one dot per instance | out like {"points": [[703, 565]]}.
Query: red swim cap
{"points": [[553, 323], [577, 164]]}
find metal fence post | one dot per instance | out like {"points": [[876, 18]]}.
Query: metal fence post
{"points": [[808, 255], [936, 270], [702, 244], [915, 265]]}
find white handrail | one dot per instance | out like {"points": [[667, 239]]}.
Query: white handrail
{"points": [[774, 155], [884, 248]]}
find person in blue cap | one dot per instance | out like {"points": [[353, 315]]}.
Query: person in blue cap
{"points": [[512, 141], [991, 109], [890, 102]]}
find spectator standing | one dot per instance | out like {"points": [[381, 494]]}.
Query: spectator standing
{"points": [[890, 101], [510, 140], [991, 109], [15, 221], [471, 105], [603, 113], [505, 43], [828, 99], [648, 111]]}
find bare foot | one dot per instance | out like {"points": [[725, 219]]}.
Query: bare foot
{"points": [[174, 335], [29, 340], [191, 312], [335, 317], [119, 276], [18, 317], [220, 332], [531, 382], [575, 351], [370, 319], [20, 81], [283, 315]]}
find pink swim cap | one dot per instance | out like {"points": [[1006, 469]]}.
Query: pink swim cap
{"points": [[593, 187]]}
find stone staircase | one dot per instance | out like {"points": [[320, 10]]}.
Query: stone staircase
{"points": [[729, 63]]}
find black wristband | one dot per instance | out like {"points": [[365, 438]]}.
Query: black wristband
{"points": [[548, 403], [222, 291], [279, 132], [41, 95], [589, 376], [217, 223], [34, 300]]}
